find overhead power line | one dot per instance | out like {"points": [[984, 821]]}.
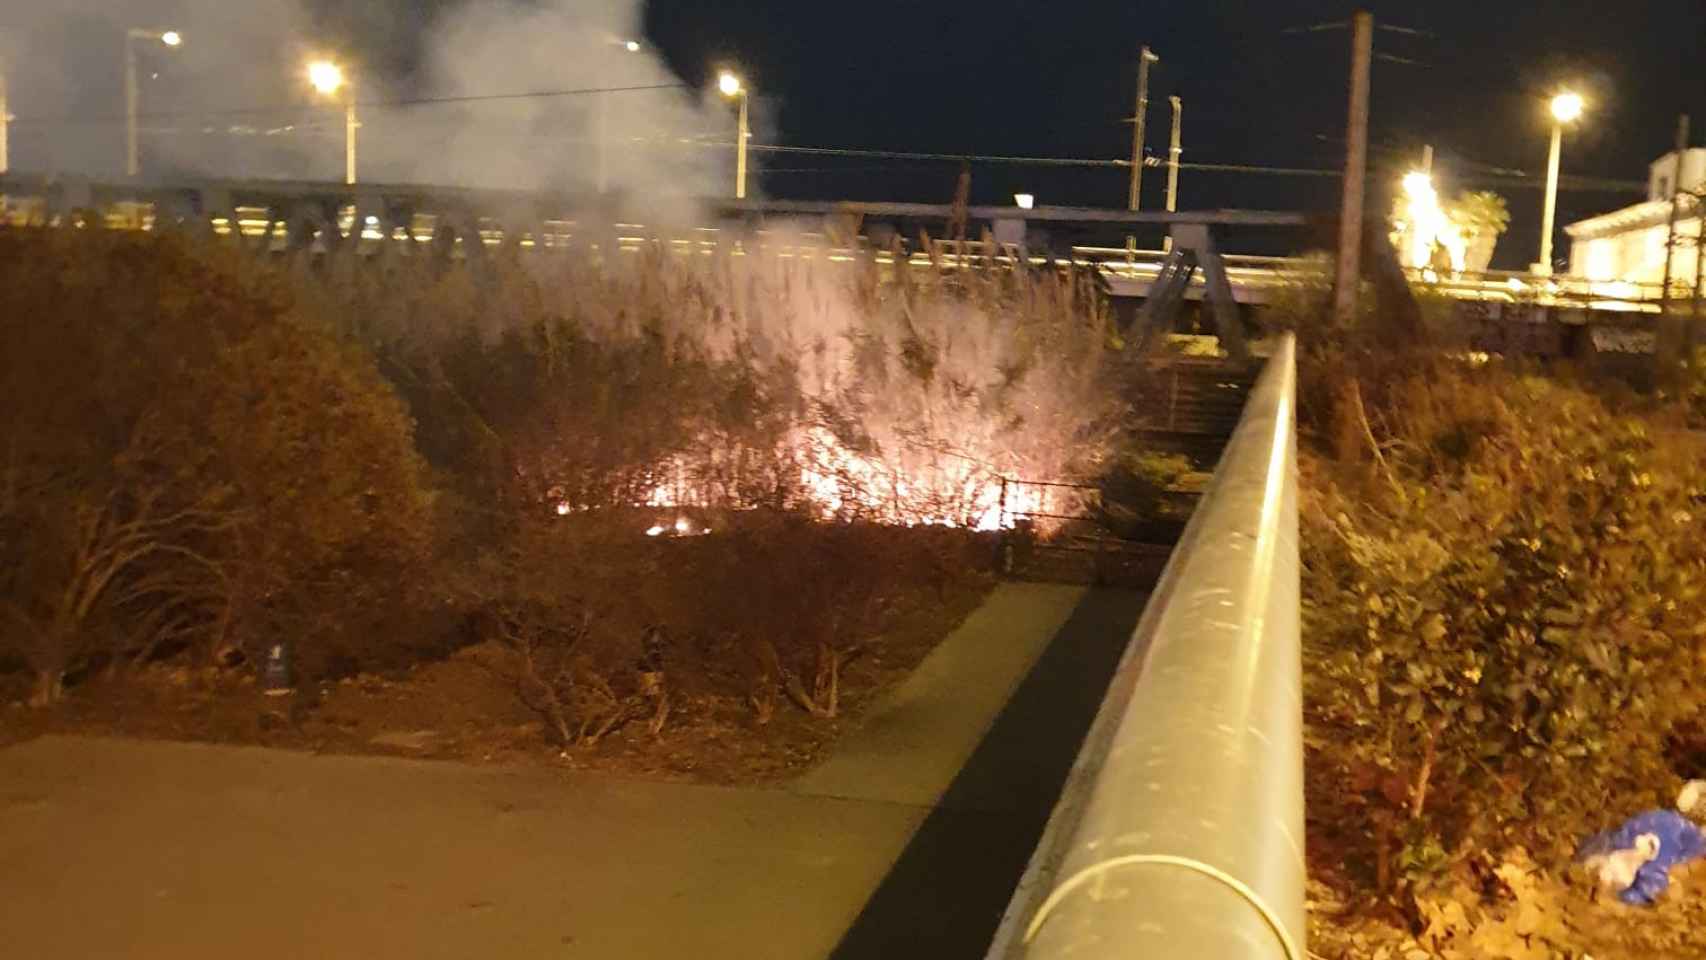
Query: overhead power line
{"points": [[103, 119]]}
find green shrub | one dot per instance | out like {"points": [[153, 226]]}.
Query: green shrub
{"points": [[189, 460], [1504, 612]]}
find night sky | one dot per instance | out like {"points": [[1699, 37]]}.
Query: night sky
{"points": [[1035, 77], [1050, 78]]}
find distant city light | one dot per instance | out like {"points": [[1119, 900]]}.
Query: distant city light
{"points": [[326, 76], [171, 38], [633, 46], [1025, 200], [1567, 107], [728, 83]]}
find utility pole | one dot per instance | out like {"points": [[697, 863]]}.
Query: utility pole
{"points": [[1349, 274], [1699, 272], [1428, 159], [5, 123], [743, 135], [1145, 57], [350, 126], [132, 159], [1173, 152], [1667, 347]]}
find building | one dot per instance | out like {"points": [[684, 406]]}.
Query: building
{"points": [[1627, 246]]}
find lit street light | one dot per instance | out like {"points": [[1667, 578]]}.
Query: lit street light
{"points": [[5, 123], [327, 78], [132, 93], [1566, 108], [731, 86], [601, 175]]}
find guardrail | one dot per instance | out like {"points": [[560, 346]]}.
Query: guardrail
{"points": [[1180, 830]]}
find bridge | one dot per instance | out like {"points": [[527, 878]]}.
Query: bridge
{"points": [[289, 215]]}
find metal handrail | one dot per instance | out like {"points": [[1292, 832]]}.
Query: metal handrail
{"points": [[1180, 830]]}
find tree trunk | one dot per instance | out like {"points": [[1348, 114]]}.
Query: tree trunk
{"points": [[49, 687], [1348, 443]]}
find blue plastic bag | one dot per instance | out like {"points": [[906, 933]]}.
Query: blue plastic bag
{"points": [[1679, 841]]}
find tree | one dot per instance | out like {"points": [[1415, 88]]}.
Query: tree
{"points": [[189, 459], [1482, 216]]}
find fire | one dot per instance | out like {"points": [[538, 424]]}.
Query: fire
{"points": [[1423, 224], [927, 487]]}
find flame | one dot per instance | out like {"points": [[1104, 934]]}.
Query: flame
{"points": [[930, 488], [1423, 223]]}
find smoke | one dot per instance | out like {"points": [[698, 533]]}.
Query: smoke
{"points": [[232, 101]]}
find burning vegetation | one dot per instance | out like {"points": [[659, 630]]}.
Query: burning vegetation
{"points": [[660, 487]]}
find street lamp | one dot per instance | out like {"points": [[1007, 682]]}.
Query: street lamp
{"points": [[602, 176], [132, 93], [5, 123], [731, 86], [1566, 108], [327, 78]]}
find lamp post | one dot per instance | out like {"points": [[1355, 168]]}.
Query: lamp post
{"points": [[731, 86], [5, 123], [1134, 196], [602, 175], [1566, 108], [1173, 151], [132, 91], [328, 78]]}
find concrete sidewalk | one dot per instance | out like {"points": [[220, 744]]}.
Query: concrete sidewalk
{"points": [[149, 850]]}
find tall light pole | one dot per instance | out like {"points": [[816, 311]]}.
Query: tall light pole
{"points": [[1174, 149], [1145, 57], [1566, 108], [132, 90], [328, 78], [731, 86], [5, 123], [602, 176]]}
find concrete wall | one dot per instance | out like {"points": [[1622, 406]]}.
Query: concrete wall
{"points": [[1636, 256], [1660, 173]]}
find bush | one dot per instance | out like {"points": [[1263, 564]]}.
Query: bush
{"points": [[1503, 613], [190, 460], [752, 381], [609, 626]]}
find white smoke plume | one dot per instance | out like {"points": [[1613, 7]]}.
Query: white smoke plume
{"points": [[232, 100]]}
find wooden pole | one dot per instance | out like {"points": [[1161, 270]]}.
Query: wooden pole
{"points": [[1174, 149], [1349, 274], [1134, 198], [1668, 344]]}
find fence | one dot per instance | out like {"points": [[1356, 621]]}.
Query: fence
{"points": [[1180, 830]]}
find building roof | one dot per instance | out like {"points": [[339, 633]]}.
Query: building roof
{"points": [[1637, 217]]}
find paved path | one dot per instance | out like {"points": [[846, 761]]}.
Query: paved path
{"points": [[908, 839]]}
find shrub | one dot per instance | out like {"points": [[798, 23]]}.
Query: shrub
{"points": [[745, 381], [189, 459], [1503, 612], [609, 626]]}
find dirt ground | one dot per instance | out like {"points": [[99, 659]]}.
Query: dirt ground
{"points": [[466, 708]]}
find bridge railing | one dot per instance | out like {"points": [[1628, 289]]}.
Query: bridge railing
{"points": [[1180, 831]]}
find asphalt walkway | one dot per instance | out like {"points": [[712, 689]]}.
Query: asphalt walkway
{"points": [[908, 839]]}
